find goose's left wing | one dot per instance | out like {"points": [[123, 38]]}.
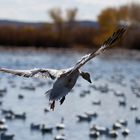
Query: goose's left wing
{"points": [[111, 40], [38, 73]]}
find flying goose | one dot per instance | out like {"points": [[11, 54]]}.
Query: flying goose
{"points": [[66, 78]]}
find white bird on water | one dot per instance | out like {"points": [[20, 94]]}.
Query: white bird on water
{"points": [[66, 78]]}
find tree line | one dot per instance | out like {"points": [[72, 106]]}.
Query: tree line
{"points": [[64, 32], [127, 15]]}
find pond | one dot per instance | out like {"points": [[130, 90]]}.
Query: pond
{"points": [[112, 96]]}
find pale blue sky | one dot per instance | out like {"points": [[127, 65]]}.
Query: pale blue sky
{"points": [[36, 10]]}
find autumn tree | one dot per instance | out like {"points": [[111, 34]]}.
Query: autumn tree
{"points": [[110, 18], [107, 22], [134, 14]]}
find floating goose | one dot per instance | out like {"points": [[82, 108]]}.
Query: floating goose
{"points": [[45, 129], [20, 96], [66, 78], [21, 116], [60, 125], [84, 117], [112, 134], [137, 120], [116, 126], [34, 126], [3, 127], [4, 90], [2, 121], [123, 122], [94, 134], [91, 114], [7, 136], [101, 129], [60, 137], [125, 132]]}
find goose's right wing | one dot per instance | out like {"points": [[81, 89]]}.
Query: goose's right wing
{"points": [[38, 73], [111, 40]]}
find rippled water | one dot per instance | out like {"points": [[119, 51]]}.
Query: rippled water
{"points": [[118, 70]]}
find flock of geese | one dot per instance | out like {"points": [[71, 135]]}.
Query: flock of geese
{"points": [[120, 126]]}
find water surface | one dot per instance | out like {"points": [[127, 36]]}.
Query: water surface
{"points": [[119, 70]]}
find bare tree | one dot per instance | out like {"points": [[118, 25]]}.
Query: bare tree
{"points": [[63, 24], [71, 15]]}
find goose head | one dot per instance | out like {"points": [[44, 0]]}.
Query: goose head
{"points": [[86, 76]]}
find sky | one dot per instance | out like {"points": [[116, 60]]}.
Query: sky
{"points": [[36, 10]]}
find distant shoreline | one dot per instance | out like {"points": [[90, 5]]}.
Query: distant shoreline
{"points": [[77, 48]]}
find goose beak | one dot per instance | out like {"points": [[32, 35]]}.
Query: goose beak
{"points": [[86, 76], [89, 80]]}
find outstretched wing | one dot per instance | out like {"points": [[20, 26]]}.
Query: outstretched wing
{"points": [[38, 73], [111, 40]]}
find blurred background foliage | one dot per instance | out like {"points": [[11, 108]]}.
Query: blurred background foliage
{"points": [[66, 32], [111, 18]]}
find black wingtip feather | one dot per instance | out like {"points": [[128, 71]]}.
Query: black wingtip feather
{"points": [[116, 35]]}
